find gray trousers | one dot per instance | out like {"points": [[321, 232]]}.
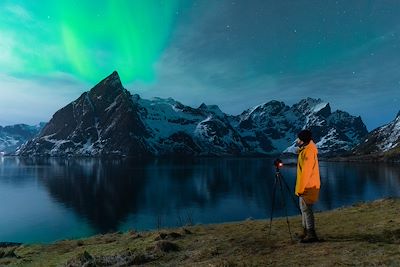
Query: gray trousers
{"points": [[307, 214]]}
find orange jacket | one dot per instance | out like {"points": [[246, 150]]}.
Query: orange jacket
{"points": [[307, 169]]}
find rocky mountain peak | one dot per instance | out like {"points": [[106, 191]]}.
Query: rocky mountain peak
{"points": [[113, 79], [109, 87], [273, 107], [203, 106], [214, 109], [102, 121], [312, 105]]}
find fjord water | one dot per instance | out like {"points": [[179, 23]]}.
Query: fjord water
{"points": [[43, 200]]}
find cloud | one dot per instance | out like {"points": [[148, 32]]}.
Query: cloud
{"points": [[365, 85], [35, 99], [7, 59], [210, 81]]}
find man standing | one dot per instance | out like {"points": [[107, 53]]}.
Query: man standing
{"points": [[307, 183]]}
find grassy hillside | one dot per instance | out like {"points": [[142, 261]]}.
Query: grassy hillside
{"points": [[363, 234]]}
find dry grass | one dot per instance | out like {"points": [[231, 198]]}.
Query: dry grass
{"points": [[364, 234]]}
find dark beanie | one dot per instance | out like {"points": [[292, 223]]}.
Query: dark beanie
{"points": [[305, 136]]}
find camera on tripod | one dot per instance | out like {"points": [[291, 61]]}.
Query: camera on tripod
{"points": [[280, 184], [278, 164]]}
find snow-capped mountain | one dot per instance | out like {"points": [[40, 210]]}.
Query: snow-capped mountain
{"points": [[177, 129], [108, 120], [273, 126], [12, 136], [103, 121], [383, 140]]}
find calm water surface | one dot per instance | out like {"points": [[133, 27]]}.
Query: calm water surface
{"points": [[53, 199]]}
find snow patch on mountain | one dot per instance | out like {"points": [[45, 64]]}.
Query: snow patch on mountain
{"points": [[166, 116], [391, 132], [319, 106]]}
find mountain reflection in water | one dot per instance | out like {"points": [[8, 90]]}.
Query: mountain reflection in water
{"points": [[99, 196]]}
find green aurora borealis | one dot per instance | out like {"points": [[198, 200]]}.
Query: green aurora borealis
{"points": [[88, 39], [233, 53]]}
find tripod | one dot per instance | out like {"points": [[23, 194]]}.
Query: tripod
{"points": [[281, 183]]}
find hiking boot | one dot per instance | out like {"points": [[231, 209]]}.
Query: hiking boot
{"points": [[310, 237], [302, 235]]}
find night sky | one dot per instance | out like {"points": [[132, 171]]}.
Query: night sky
{"points": [[236, 54]]}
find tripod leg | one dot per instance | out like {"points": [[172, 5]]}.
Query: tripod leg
{"points": [[273, 202], [285, 207], [296, 203]]}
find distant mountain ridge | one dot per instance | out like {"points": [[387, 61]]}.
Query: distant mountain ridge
{"points": [[277, 124], [13, 136], [108, 120], [383, 142]]}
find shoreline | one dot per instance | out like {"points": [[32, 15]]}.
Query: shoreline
{"points": [[376, 157], [351, 235]]}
